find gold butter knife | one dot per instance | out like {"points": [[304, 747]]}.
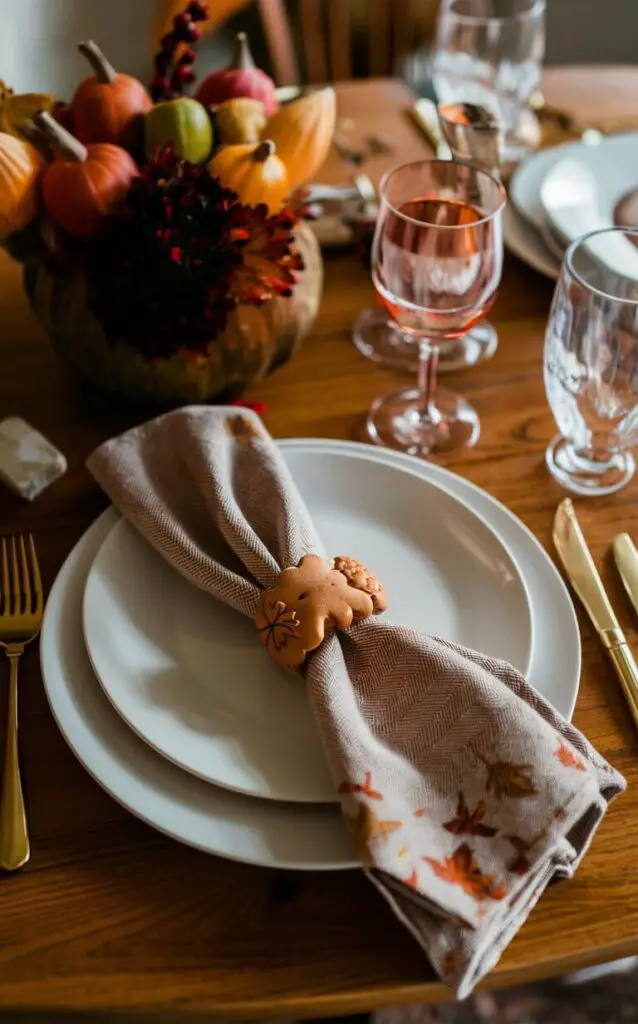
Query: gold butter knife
{"points": [[579, 566], [626, 559], [424, 114]]}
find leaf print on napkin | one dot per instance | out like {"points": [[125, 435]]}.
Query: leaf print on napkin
{"points": [[461, 869], [568, 758], [450, 962], [412, 880], [241, 428], [520, 865], [507, 779], [365, 788], [366, 828], [469, 824]]}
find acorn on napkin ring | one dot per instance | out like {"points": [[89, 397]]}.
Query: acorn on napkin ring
{"points": [[308, 601]]}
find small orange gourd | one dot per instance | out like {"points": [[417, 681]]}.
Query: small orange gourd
{"points": [[20, 168], [254, 172], [302, 132], [84, 184], [107, 106]]}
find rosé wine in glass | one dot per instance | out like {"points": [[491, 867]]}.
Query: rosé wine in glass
{"points": [[437, 260]]}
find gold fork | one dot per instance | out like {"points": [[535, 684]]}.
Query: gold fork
{"points": [[21, 608]]}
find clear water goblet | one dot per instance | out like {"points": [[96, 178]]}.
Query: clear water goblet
{"points": [[591, 363]]}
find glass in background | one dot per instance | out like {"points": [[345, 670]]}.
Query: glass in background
{"points": [[591, 363], [437, 259], [490, 52]]}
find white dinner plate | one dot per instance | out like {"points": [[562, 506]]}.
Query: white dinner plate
{"points": [[526, 242], [614, 160], [580, 194], [228, 824], [187, 675]]}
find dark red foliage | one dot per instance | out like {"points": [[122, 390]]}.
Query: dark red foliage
{"points": [[180, 255]]}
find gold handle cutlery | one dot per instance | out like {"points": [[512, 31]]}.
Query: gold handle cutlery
{"points": [[21, 609], [583, 575]]}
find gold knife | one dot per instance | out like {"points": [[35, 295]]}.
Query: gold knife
{"points": [[626, 559], [579, 566], [424, 114]]}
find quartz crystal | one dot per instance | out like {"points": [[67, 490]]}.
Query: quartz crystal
{"points": [[28, 462]]}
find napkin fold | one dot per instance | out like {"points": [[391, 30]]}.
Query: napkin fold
{"points": [[464, 791]]}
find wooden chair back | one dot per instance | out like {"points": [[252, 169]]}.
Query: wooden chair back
{"points": [[315, 41]]}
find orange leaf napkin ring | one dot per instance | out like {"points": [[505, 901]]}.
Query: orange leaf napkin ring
{"points": [[308, 601]]}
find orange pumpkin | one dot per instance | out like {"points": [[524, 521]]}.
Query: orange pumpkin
{"points": [[84, 184], [108, 107], [254, 172], [20, 168], [302, 132]]}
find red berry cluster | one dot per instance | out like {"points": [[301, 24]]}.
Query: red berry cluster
{"points": [[174, 72]]}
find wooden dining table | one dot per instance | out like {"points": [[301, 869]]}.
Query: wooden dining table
{"points": [[111, 915]]}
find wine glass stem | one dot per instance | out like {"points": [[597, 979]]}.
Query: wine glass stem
{"points": [[428, 362]]}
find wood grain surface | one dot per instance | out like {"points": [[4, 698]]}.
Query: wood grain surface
{"points": [[110, 915]]}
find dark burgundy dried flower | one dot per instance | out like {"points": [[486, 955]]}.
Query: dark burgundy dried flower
{"points": [[180, 255]]}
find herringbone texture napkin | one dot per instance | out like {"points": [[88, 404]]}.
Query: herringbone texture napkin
{"points": [[464, 791]]}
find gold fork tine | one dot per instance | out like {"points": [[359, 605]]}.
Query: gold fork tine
{"points": [[37, 579], [17, 602], [26, 582], [6, 589]]}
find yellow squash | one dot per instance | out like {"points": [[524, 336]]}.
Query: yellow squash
{"points": [[16, 112], [302, 132], [254, 172]]}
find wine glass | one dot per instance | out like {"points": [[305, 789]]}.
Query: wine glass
{"points": [[437, 259], [490, 52], [591, 363]]}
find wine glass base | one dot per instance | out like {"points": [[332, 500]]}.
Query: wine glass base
{"points": [[584, 476], [395, 421], [380, 340]]}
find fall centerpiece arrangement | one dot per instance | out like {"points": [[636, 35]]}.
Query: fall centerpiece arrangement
{"points": [[162, 234]]}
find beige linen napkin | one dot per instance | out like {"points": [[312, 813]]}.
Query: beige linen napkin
{"points": [[464, 791]]}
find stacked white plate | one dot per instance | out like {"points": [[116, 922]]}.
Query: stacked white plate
{"points": [[561, 193], [171, 704]]}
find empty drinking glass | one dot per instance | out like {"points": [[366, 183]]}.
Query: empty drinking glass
{"points": [[490, 52], [591, 363]]}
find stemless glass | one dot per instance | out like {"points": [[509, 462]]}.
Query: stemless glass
{"points": [[591, 363], [437, 259], [490, 52]]}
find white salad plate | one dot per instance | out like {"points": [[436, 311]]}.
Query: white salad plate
{"points": [[188, 675], [613, 162], [293, 836]]}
